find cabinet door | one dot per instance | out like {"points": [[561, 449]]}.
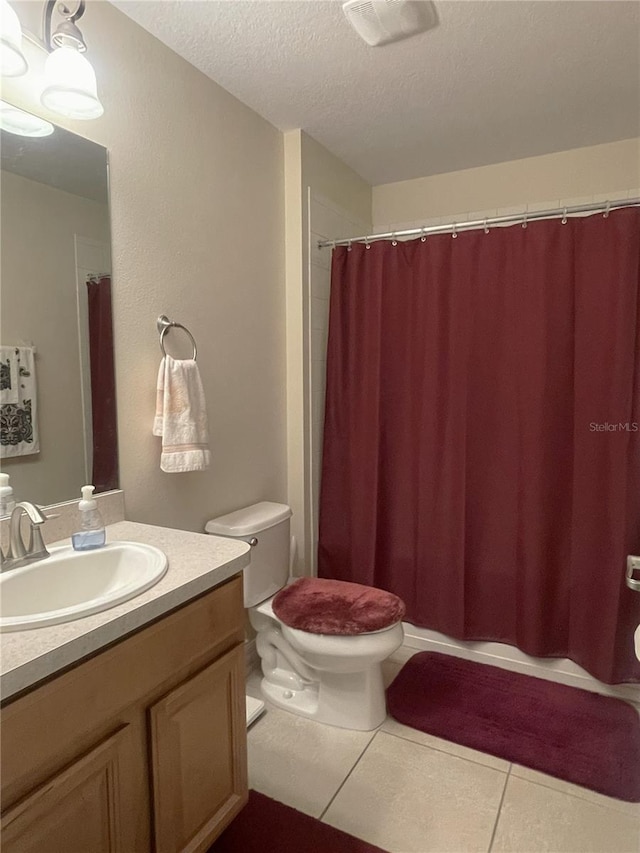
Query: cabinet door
{"points": [[199, 756], [97, 804]]}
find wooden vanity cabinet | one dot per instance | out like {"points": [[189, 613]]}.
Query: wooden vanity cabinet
{"points": [[94, 804], [140, 748], [211, 769]]}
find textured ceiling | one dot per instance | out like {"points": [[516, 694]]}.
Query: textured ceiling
{"points": [[494, 81]]}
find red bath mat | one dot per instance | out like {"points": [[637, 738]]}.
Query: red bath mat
{"points": [[581, 737], [267, 826]]}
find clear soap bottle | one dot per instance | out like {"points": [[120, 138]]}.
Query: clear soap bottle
{"points": [[92, 533]]}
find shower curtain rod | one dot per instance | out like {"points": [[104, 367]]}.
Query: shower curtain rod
{"points": [[454, 227]]}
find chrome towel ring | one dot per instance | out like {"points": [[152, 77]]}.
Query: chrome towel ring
{"points": [[163, 324]]}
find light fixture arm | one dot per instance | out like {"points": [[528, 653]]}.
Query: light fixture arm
{"points": [[67, 34]]}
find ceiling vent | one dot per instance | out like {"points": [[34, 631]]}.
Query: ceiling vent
{"points": [[383, 21]]}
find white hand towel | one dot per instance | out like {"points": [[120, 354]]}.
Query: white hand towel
{"points": [[18, 403], [181, 417]]}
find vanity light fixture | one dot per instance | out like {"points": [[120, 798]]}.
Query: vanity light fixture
{"points": [[69, 87], [12, 61], [70, 81], [15, 120]]}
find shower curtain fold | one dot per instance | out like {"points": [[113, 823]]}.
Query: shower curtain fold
{"points": [[103, 385], [470, 462]]}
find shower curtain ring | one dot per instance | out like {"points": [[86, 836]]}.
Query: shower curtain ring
{"points": [[423, 238], [524, 221], [607, 210], [564, 215], [349, 246], [454, 231], [366, 243], [486, 227], [394, 242]]}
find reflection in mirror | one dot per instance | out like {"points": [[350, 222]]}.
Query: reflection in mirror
{"points": [[57, 397]]}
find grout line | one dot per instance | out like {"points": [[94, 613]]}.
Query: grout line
{"points": [[495, 825], [578, 795], [452, 754], [340, 787]]}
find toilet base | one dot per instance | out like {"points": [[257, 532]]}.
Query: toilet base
{"points": [[354, 700]]}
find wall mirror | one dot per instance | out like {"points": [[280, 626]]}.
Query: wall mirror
{"points": [[57, 396]]}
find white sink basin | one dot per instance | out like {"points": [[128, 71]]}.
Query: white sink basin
{"points": [[70, 584]]}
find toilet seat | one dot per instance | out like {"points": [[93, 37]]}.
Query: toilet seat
{"points": [[326, 607], [266, 608]]}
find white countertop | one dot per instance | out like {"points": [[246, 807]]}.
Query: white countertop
{"points": [[197, 563]]}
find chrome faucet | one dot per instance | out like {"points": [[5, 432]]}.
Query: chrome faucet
{"points": [[17, 554]]}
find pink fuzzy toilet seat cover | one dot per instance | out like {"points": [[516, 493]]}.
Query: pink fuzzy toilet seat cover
{"points": [[322, 606]]}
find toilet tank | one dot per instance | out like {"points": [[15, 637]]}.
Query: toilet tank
{"points": [[265, 526]]}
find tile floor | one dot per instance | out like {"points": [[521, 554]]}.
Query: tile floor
{"points": [[409, 792]]}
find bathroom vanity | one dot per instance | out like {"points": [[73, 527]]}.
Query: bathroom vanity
{"points": [[125, 731]]}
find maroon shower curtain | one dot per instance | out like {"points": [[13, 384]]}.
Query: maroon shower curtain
{"points": [[103, 385], [481, 445]]}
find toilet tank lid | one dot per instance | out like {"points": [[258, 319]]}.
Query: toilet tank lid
{"points": [[249, 520]]}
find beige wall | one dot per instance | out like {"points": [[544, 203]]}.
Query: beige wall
{"points": [[296, 342], [329, 177], [600, 170], [39, 306], [310, 172], [198, 234]]}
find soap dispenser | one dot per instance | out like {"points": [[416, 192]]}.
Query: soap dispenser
{"points": [[92, 533]]}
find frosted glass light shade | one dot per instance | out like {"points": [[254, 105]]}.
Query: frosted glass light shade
{"points": [[12, 61], [70, 85], [17, 121]]}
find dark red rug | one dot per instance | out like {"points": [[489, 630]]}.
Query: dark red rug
{"points": [[581, 737], [267, 826]]}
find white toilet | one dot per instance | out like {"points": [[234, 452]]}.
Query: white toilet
{"points": [[330, 678]]}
